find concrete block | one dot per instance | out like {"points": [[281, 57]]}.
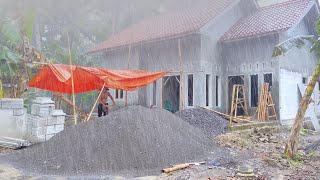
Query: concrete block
{"points": [[58, 112], [18, 112], [52, 120], [9, 103], [40, 138], [34, 109], [39, 131], [59, 128], [61, 119], [42, 110], [39, 122], [43, 100], [49, 136], [50, 129]]}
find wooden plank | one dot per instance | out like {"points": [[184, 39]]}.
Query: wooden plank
{"points": [[128, 67], [222, 114], [237, 100], [181, 75], [176, 167], [89, 116], [227, 97], [162, 92], [72, 83]]}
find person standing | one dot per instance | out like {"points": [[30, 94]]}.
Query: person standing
{"points": [[103, 107]]}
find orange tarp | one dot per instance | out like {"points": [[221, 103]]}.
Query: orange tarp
{"points": [[57, 78]]}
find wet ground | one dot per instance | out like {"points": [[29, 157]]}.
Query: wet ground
{"points": [[260, 149]]}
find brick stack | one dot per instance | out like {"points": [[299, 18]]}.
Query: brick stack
{"points": [[13, 112], [44, 121]]}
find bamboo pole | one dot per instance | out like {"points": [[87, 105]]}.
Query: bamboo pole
{"points": [[72, 83], [128, 67], [162, 93], [95, 103], [181, 75]]}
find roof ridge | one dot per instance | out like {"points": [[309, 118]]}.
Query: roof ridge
{"points": [[166, 25], [275, 18], [284, 3]]}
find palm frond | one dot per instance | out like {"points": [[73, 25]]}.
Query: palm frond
{"points": [[289, 44]]}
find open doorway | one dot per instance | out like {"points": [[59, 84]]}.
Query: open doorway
{"points": [[234, 80], [171, 93]]}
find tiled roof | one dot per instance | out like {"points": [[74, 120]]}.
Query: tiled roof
{"points": [[276, 18], [166, 25]]}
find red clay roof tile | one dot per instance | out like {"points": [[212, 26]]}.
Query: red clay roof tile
{"points": [[275, 18], [166, 25]]}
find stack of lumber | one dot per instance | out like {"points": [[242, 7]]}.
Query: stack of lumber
{"points": [[265, 102], [237, 119], [13, 143]]}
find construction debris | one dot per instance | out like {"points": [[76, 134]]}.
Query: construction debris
{"points": [[249, 138], [312, 147], [181, 166], [245, 173], [126, 141], [210, 123], [176, 167], [13, 143]]}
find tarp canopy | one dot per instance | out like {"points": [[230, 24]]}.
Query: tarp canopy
{"points": [[57, 78]]}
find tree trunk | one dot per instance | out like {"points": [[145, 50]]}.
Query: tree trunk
{"points": [[1, 89], [293, 141]]}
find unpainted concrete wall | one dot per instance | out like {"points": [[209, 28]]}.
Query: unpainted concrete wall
{"points": [[250, 57], [155, 56], [212, 56]]}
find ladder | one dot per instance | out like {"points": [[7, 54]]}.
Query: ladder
{"points": [[266, 105], [271, 107], [238, 101]]}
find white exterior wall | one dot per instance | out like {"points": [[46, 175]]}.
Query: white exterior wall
{"points": [[289, 94]]}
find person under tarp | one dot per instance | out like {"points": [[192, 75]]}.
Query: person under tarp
{"points": [[103, 106], [71, 79]]}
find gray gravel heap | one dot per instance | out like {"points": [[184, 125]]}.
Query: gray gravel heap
{"points": [[209, 122], [134, 140]]}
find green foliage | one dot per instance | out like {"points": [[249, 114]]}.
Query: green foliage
{"points": [[28, 23], [304, 131], [289, 44], [317, 26], [295, 163], [9, 34]]}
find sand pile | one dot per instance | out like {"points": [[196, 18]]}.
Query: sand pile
{"points": [[209, 122], [134, 140]]}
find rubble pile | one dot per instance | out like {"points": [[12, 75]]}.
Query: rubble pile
{"points": [[209, 122], [133, 140]]}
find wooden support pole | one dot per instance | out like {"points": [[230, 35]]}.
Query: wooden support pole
{"points": [[162, 93], [72, 83], [95, 103], [128, 67], [181, 75]]}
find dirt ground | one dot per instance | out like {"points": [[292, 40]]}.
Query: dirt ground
{"points": [[259, 149]]}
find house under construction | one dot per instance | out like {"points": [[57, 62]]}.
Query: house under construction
{"points": [[213, 46]]}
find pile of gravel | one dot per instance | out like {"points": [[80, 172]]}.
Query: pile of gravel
{"points": [[135, 140], [209, 122]]}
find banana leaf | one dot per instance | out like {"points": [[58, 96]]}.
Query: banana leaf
{"points": [[289, 44]]}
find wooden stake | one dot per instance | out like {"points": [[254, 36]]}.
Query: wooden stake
{"points": [[162, 93], [72, 83], [95, 103], [181, 75], [128, 67]]}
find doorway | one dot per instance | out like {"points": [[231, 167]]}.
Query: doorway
{"points": [[171, 93], [234, 80]]}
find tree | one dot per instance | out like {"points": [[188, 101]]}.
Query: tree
{"points": [[281, 49]]}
